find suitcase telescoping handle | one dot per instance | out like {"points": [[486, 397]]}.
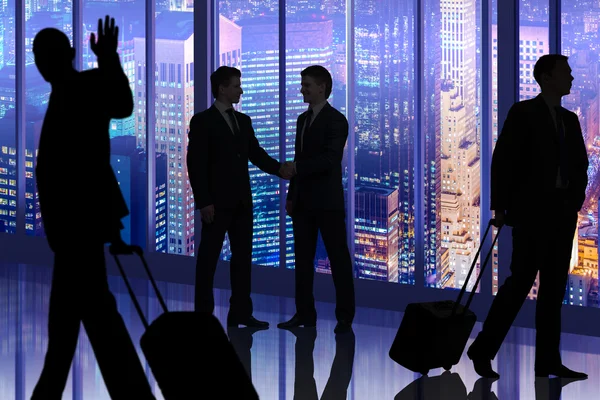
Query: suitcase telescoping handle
{"points": [[464, 288], [140, 252]]}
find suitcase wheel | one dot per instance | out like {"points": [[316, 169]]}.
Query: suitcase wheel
{"points": [[447, 367]]}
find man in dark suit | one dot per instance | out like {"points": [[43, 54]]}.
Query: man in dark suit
{"points": [[538, 183], [76, 183], [221, 141], [315, 201]]}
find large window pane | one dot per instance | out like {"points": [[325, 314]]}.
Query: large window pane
{"points": [[249, 40], [8, 164], [315, 35], [174, 86], [384, 108], [453, 138], [579, 41], [127, 152], [37, 93]]}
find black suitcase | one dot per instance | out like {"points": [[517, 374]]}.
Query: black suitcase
{"points": [[189, 353], [434, 334]]}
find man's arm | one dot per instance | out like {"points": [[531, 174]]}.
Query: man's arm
{"points": [[291, 189], [259, 157], [197, 162], [503, 157], [118, 96], [580, 180], [332, 153]]}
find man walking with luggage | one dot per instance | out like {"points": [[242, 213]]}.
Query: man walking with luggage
{"points": [[74, 144], [538, 182]]}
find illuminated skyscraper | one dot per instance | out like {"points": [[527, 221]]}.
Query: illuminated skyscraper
{"points": [[129, 164], [376, 233], [434, 268], [174, 85], [8, 173], [459, 139]]}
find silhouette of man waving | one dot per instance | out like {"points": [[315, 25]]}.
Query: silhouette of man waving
{"points": [[82, 207]]}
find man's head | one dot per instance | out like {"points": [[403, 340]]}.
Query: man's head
{"points": [[316, 84], [553, 73], [53, 54], [226, 85]]}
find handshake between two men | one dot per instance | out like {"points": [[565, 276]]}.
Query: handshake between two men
{"points": [[287, 170]]}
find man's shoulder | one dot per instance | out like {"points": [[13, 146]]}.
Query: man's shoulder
{"points": [[240, 114], [337, 114], [200, 115]]}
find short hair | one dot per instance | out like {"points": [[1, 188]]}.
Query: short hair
{"points": [[51, 40], [320, 75], [545, 65], [222, 76]]}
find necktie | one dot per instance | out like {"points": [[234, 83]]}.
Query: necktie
{"points": [[307, 121], [564, 156], [236, 131]]}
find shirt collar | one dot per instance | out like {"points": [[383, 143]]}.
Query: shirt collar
{"points": [[221, 106], [317, 108]]}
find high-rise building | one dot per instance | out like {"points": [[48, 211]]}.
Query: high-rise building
{"points": [[129, 164], [8, 172], [174, 102], [230, 43], [434, 268], [459, 139], [376, 233]]}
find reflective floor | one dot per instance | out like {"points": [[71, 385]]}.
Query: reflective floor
{"points": [[283, 365]]}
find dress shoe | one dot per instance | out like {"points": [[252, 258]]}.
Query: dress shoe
{"points": [[559, 371], [483, 366], [343, 327], [298, 321], [248, 321]]}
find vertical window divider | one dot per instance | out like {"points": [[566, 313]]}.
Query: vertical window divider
{"points": [[78, 33], [20, 126], [351, 143], [151, 128], [206, 17], [508, 94], [554, 25], [485, 284], [282, 133], [419, 146]]}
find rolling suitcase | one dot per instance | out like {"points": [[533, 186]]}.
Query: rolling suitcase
{"points": [[189, 353], [434, 334]]}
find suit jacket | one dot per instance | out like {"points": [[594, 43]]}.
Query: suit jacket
{"points": [[526, 159], [217, 161], [76, 183], [318, 180]]}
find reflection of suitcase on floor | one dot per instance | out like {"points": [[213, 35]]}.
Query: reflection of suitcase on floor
{"points": [[447, 386], [434, 335], [189, 353]]}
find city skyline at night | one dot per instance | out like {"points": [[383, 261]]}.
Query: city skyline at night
{"points": [[383, 111]]}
